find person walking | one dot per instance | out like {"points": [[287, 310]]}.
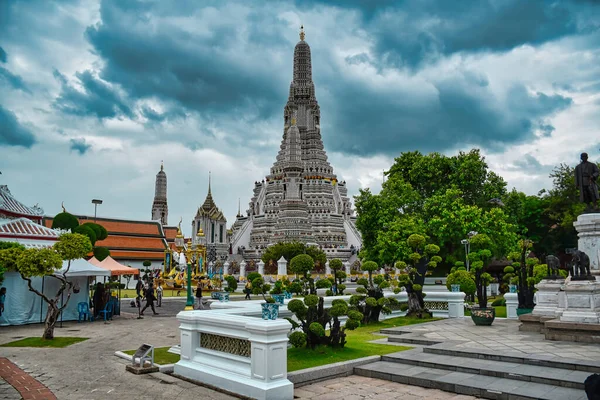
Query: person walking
{"points": [[150, 299], [139, 287], [199, 296], [159, 295], [248, 290]]}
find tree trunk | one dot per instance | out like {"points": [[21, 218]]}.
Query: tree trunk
{"points": [[51, 318]]}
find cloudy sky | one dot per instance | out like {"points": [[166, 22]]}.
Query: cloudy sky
{"points": [[95, 93]]}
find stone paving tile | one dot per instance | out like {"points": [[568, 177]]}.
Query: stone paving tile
{"points": [[360, 387]]}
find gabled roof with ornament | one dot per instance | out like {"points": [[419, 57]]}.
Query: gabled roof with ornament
{"points": [[26, 228], [209, 208], [12, 206]]}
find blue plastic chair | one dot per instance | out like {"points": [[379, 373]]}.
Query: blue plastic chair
{"points": [[84, 311], [108, 311]]}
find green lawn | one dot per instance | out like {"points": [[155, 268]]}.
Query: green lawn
{"points": [[39, 342], [161, 356], [357, 346]]}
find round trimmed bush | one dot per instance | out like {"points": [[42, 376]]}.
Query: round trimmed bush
{"points": [[101, 253], [498, 302], [64, 220], [86, 231], [317, 329], [462, 278], [298, 339], [323, 284], [355, 314]]}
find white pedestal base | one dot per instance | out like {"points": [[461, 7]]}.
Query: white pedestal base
{"points": [[550, 299], [512, 303], [582, 302], [588, 230]]}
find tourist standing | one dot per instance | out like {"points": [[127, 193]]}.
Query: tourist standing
{"points": [[248, 290], [98, 299], [150, 299], [139, 286], [159, 294]]}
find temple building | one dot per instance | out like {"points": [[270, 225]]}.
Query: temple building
{"points": [[301, 198], [160, 210], [214, 225]]}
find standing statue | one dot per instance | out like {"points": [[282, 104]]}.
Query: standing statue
{"points": [[553, 264], [581, 266], [586, 174]]}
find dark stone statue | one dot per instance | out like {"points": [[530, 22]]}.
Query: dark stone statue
{"points": [[580, 267], [586, 174], [553, 265]]}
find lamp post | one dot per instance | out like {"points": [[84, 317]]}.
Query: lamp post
{"points": [[467, 244], [95, 202]]}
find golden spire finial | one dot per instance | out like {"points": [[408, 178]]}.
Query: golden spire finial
{"points": [[63, 207], [302, 32], [179, 233]]}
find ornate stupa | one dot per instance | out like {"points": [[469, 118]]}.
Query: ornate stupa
{"points": [[213, 223], [301, 198], [160, 210]]}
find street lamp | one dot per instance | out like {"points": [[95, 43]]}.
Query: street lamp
{"points": [[467, 244], [95, 202]]}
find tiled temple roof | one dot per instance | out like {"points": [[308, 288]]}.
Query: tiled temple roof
{"points": [[25, 228], [11, 205]]}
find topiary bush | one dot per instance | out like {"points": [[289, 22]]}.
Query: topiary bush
{"points": [[86, 230], [498, 302], [64, 220], [313, 320], [101, 253], [231, 284], [464, 279]]}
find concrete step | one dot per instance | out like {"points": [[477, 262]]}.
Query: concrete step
{"points": [[488, 387], [543, 360], [501, 369], [411, 340]]}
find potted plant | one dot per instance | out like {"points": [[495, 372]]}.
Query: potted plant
{"points": [[277, 292], [479, 259], [270, 309]]}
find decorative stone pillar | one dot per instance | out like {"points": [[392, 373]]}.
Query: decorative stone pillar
{"points": [[243, 270], [281, 268], [327, 269], [550, 299], [588, 230], [226, 268], [347, 266], [456, 304], [583, 302], [512, 303], [382, 271], [261, 267]]}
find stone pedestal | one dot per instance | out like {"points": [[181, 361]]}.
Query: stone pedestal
{"points": [[588, 230], [281, 268], [582, 302], [226, 268], [550, 298], [512, 303], [261, 267], [242, 270], [347, 267], [327, 269], [456, 304]]}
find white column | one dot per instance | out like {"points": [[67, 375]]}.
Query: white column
{"points": [[548, 298], [512, 302], [243, 269], [347, 266], [226, 268], [327, 268], [456, 304], [261, 267], [281, 267]]}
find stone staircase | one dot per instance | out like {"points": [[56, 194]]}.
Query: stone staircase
{"points": [[482, 373]]}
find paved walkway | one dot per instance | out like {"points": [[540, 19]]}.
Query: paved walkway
{"points": [[89, 370], [502, 336], [17, 384], [358, 387]]}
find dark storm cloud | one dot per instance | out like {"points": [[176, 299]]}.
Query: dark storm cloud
{"points": [[79, 145], [408, 33], [2, 55], [462, 114], [97, 98], [197, 72], [12, 133], [10, 79]]}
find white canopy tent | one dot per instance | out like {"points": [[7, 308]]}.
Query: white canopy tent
{"points": [[82, 268]]}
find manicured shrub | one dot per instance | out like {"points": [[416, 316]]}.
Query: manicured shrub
{"points": [[464, 279], [499, 302], [298, 339]]}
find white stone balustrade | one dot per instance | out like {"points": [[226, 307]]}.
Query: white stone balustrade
{"points": [[226, 268], [261, 267], [281, 268], [243, 269], [243, 355], [327, 268]]}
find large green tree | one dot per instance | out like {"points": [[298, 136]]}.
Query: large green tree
{"points": [[291, 250]]}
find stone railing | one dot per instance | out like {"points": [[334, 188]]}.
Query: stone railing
{"points": [[237, 353]]}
